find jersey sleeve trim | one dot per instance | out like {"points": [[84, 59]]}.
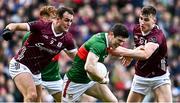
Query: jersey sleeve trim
{"points": [[72, 50], [107, 43], [82, 53]]}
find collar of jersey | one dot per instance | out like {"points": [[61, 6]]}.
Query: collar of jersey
{"points": [[56, 35], [107, 43]]}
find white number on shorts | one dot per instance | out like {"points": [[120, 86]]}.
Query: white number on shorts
{"points": [[163, 64], [17, 66]]}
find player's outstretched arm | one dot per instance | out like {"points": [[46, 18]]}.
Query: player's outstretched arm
{"points": [[8, 32], [142, 52], [17, 27]]}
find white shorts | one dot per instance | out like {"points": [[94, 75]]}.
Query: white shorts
{"points": [[72, 91], [15, 68], [53, 87], [144, 85]]}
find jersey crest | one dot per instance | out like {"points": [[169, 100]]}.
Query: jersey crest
{"points": [[153, 39]]}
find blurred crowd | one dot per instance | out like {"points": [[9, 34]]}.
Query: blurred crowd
{"points": [[92, 16]]}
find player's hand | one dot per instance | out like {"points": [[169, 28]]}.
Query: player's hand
{"points": [[7, 34], [105, 79], [125, 61]]}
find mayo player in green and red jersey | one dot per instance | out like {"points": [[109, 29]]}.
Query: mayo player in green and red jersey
{"points": [[76, 81]]}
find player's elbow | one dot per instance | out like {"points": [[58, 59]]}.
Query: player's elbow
{"points": [[148, 53], [145, 56], [150, 48]]}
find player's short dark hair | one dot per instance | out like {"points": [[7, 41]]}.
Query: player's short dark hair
{"points": [[148, 10], [119, 30], [62, 10]]}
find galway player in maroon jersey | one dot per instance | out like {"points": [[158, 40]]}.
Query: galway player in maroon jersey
{"points": [[151, 53], [152, 73], [46, 40]]}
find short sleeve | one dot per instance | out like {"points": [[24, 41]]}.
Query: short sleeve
{"points": [[35, 25], [70, 43]]}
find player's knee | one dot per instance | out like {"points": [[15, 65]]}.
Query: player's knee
{"points": [[165, 99], [112, 99], [57, 96], [32, 96]]}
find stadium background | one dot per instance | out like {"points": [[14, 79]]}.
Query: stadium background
{"points": [[92, 16]]}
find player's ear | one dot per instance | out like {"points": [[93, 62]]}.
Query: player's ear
{"points": [[58, 19], [111, 33]]}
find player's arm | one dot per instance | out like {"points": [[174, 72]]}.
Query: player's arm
{"points": [[10, 28], [142, 52], [148, 50], [90, 67], [71, 48], [71, 53], [17, 26]]}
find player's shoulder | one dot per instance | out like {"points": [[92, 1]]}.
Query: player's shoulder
{"points": [[68, 36], [156, 35], [99, 40], [99, 36], [40, 23], [157, 31]]}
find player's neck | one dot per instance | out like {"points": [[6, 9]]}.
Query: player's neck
{"points": [[57, 29], [147, 32]]}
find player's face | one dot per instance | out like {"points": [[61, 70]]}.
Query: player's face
{"points": [[146, 22], [66, 21], [117, 41]]}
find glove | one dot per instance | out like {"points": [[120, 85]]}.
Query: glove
{"points": [[105, 79], [7, 34]]}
